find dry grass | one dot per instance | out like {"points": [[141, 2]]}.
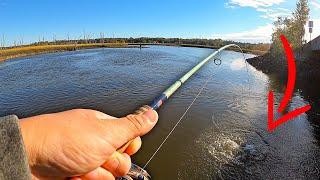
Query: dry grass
{"points": [[6, 54]]}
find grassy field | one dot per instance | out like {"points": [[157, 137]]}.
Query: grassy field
{"points": [[10, 53]]}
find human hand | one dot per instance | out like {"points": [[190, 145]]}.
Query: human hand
{"points": [[83, 143]]}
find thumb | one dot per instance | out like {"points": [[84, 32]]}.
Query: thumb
{"points": [[127, 128]]}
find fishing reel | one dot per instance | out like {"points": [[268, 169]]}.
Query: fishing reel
{"points": [[136, 173]]}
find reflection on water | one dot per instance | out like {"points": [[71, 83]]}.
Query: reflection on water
{"points": [[237, 64], [222, 137]]}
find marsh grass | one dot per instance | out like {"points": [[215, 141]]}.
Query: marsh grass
{"points": [[10, 53]]}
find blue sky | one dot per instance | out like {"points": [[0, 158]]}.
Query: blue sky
{"points": [[240, 20]]}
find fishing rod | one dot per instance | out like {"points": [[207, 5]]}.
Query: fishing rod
{"points": [[138, 173]]}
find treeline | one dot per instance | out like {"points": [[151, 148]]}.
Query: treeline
{"points": [[204, 42], [173, 41]]}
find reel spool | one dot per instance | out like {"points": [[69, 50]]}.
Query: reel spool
{"points": [[136, 173]]}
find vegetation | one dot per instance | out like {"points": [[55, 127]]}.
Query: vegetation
{"points": [[292, 28], [87, 41], [20, 51], [307, 63], [216, 43], [308, 70], [43, 46]]}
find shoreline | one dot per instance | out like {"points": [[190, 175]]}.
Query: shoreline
{"points": [[307, 82], [16, 52], [278, 66], [25, 51], [251, 51], [255, 52]]}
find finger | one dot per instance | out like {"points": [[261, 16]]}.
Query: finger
{"points": [[75, 178], [129, 127], [142, 109], [134, 146], [118, 164], [101, 115], [97, 174]]}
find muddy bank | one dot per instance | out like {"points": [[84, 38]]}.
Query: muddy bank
{"points": [[307, 70]]}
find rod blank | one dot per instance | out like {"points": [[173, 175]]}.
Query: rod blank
{"points": [[157, 102]]}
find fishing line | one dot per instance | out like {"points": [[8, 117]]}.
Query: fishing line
{"points": [[178, 122], [137, 172], [217, 61]]}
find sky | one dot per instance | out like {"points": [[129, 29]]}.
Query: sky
{"points": [[238, 20]]}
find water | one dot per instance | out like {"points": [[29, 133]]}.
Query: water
{"points": [[224, 134]]}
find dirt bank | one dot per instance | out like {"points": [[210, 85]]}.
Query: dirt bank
{"points": [[307, 82]]}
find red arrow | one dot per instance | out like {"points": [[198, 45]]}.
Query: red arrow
{"points": [[288, 93]]}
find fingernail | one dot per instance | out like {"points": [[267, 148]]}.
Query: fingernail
{"points": [[152, 115]]}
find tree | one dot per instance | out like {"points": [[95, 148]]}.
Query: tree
{"points": [[68, 37], [85, 36], [101, 37], [3, 42], [293, 28], [281, 26], [54, 38], [301, 17]]}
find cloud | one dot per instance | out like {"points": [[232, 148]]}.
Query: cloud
{"points": [[273, 14], [261, 34], [315, 4], [264, 6], [268, 11], [254, 3]]}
